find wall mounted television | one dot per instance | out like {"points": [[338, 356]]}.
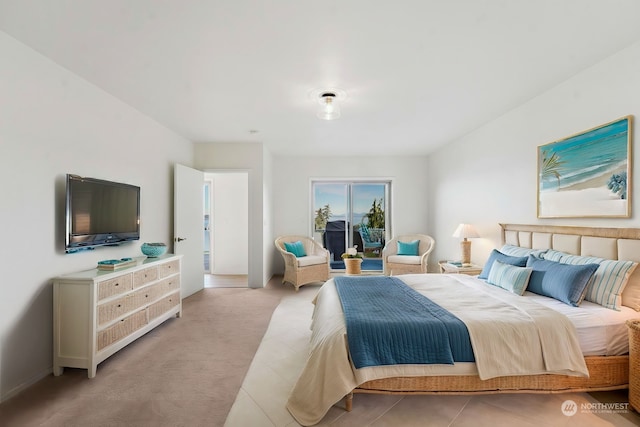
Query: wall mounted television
{"points": [[100, 213]]}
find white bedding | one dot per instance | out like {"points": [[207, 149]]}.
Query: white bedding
{"points": [[328, 375], [601, 331]]}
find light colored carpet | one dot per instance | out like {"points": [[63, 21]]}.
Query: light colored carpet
{"points": [[282, 354], [186, 372]]}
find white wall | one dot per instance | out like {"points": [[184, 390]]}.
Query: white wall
{"points": [[246, 157], [53, 123], [292, 201], [229, 222], [489, 176]]}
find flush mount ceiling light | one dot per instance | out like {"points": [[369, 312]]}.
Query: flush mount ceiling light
{"points": [[329, 107], [329, 100]]}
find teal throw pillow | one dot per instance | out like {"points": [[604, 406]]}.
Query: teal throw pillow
{"points": [[296, 248], [408, 248]]}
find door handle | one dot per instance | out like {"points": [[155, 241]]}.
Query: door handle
{"points": [[180, 239]]}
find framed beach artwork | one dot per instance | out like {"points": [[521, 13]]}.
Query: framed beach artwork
{"points": [[587, 174]]}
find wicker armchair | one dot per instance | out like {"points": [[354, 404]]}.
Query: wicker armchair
{"points": [[308, 269], [394, 264]]}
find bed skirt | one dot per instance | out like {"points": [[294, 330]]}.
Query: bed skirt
{"points": [[605, 373]]}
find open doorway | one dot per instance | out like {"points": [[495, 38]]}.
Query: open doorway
{"points": [[226, 225]]}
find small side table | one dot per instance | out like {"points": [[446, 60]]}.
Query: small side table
{"points": [[472, 270], [634, 363]]}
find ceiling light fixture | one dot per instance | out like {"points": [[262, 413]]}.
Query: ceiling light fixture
{"points": [[329, 107], [330, 101]]}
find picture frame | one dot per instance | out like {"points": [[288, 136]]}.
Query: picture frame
{"points": [[587, 175]]}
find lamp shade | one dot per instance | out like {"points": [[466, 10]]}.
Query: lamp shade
{"points": [[465, 231]]}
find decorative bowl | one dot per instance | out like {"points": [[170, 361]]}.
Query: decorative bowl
{"points": [[153, 250]]}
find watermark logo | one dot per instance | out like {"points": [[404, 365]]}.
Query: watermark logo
{"points": [[569, 408]]}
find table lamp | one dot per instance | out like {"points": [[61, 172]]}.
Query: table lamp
{"points": [[465, 231]]}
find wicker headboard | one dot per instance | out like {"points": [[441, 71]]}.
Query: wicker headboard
{"points": [[608, 243]]}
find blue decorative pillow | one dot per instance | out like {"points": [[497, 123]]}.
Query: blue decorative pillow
{"points": [[608, 281], [506, 276], [408, 248], [296, 248], [564, 282], [496, 255]]}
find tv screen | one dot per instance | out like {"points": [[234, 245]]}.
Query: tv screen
{"points": [[100, 212]]}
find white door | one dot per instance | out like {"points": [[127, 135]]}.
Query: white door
{"points": [[188, 223]]}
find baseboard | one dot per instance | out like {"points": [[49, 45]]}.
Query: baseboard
{"points": [[21, 387]]}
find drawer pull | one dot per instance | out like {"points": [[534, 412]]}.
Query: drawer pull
{"points": [[116, 284], [119, 305]]}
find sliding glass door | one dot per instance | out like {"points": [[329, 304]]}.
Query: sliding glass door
{"points": [[351, 213]]}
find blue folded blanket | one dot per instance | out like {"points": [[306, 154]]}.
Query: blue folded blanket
{"points": [[389, 323]]}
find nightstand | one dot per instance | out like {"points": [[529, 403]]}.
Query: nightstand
{"points": [[472, 270]]}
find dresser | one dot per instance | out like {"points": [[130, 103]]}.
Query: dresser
{"points": [[96, 313]]}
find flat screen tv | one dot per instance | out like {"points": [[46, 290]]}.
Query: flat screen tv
{"points": [[100, 212]]}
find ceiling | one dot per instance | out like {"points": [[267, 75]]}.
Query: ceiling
{"points": [[417, 73]]}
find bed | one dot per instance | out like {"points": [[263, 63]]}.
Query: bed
{"points": [[600, 333]]}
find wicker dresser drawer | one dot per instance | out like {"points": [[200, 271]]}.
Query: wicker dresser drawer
{"points": [[120, 330], [169, 268], [113, 309], [158, 308], [144, 296], [145, 276], [112, 287], [167, 285]]}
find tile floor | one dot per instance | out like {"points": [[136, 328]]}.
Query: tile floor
{"points": [[282, 354]]}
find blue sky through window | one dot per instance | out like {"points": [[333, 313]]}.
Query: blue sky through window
{"points": [[336, 196]]}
